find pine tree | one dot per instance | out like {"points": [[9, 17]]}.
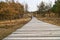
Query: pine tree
{"points": [[56, 7]]}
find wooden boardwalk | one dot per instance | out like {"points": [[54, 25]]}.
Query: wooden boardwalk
{"points": [[36, 30]]}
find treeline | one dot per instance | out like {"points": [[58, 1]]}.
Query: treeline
{"points": [[11, 10], [56, 8], [47, 9]]}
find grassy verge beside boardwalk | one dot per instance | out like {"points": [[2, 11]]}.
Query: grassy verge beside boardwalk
{"points": [[52, 20], [7, 27]]}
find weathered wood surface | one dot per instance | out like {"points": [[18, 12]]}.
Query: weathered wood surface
{"points": [[36, 30]]}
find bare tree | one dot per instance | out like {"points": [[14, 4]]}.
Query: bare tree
{"points": [[6, 0], [10, 0], [43, 8], [26, 7]]}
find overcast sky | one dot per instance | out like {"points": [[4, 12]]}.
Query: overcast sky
{"points": [[32, 4]]}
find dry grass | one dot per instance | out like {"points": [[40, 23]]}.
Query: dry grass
{"points": [[7, 27], [55, 21]]}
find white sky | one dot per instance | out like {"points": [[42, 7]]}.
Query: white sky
{"points": [[32, 4]]}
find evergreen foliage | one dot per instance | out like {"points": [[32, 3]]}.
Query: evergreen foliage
{"points": [[56, 7]]}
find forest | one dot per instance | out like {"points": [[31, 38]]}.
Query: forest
{"points": [[49, 13], [47, 10], [15, 10], [11, 10], [13, 16]]}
